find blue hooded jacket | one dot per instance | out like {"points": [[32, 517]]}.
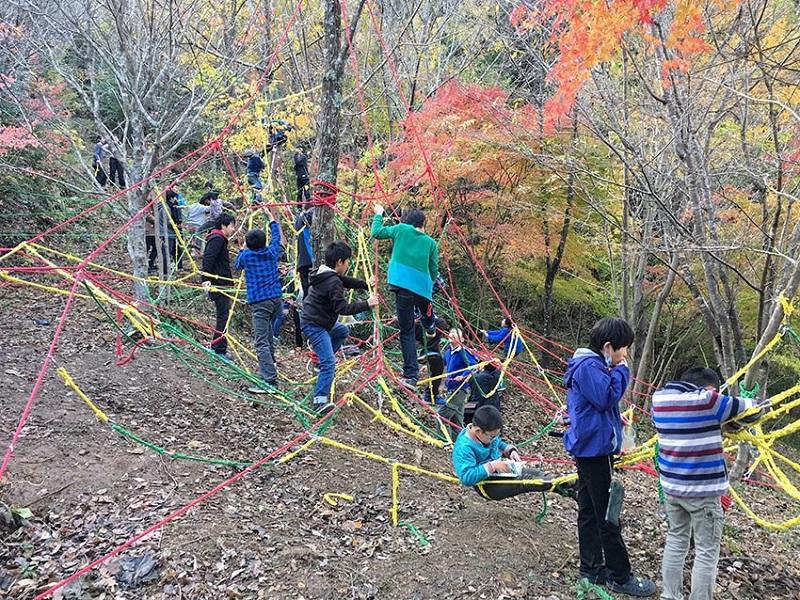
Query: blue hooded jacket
{"points": [[495, 336], [593, 395]]}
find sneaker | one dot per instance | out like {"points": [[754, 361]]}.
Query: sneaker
{"points": [[323, 408], [635, 586], [439, 401], [408, 383], [267, 387]]}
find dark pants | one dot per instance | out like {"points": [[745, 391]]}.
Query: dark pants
{"points": [[600, 543], [509, 487], [152, 251], [304, 279], [303, 190], [222, 304], [435, 369], [99, 173], [453, 411], [115, 170], [405, 302], [263, 314]]}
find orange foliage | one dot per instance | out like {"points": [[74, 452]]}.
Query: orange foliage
{"points": [[590, 32]]}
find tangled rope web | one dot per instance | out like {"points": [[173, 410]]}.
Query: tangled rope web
{"points": [[370, 376]]}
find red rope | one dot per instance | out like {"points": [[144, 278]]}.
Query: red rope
{"points": [[26, 410]]}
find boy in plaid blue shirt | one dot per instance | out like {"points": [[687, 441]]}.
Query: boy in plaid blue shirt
{"points": [[259, 262]]}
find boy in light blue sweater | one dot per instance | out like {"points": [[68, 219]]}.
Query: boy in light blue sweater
{"points": [[480, 456]]}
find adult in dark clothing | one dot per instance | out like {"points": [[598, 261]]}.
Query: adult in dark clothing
{"points": [[150, 242], [217, 272], [321, 310], [305, 255], [485, 388], [301, 173], [97, 161], [432, 355]]}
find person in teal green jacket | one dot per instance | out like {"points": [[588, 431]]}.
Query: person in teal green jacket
{"points": [[413, 268]]}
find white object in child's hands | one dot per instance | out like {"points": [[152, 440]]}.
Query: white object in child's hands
{"points": [[628, 438], [516, 467]]}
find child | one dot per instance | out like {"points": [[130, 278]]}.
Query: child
{"points": [[321, 309], [511, 342], [217, 271], [413, 268], [264, 295], [688, 415], [457, 384], [479, 455], [486, 388], [596, 378]]}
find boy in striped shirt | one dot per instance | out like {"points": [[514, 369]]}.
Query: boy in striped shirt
{"points": [[688, 416]]}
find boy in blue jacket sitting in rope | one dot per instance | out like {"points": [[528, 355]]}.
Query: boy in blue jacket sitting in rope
{"points": [[596, 378], [479, 456], [512, 343]]}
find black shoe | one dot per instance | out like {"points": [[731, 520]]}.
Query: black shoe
{"points": [[408, 383], [635, 586], [324, 409]]}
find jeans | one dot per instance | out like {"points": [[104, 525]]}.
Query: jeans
{"points": [[222, 304], [325, 343], [701, 519], [277, 320], [263, 313], [599, 542], [405, 302]]}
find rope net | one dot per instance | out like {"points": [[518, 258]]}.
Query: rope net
{"points": [[167, 322]]}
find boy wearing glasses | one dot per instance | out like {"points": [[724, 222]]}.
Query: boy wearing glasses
{"points": [[479, 456]]}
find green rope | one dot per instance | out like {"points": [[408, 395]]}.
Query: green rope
{"points": [[543, 513], [751, 393], [661, 497], [175, 455], [541, 433], [415, 532], [585, 587]]}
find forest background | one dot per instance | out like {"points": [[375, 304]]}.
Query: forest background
{"points": [[636, 158]]}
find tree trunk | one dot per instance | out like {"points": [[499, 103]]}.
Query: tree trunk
{"points": [[328, 149], [646, 345]]}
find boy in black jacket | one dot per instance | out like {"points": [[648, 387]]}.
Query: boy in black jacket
{"points": [[321, 309], [217, 271]]}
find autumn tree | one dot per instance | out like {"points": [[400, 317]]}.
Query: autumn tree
{"points": [[155, 64]]}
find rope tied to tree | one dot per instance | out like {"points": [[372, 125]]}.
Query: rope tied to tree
{"points": [[749, 393]]}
